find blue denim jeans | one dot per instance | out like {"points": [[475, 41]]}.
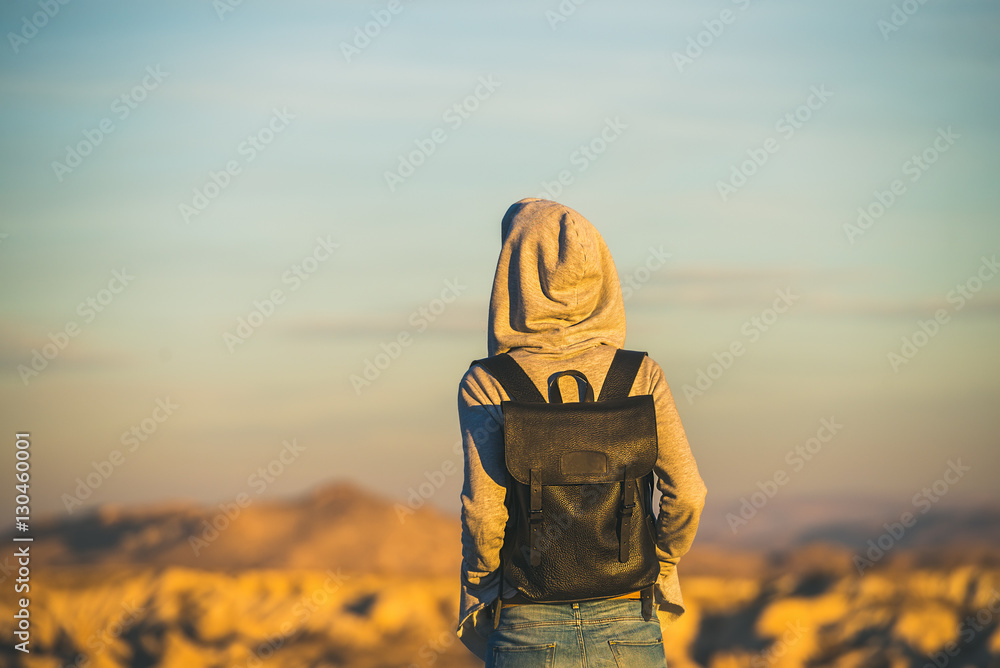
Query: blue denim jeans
{"points": [[590, 634]]}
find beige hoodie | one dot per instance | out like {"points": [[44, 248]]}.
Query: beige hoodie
{"points": [[557, 305]]}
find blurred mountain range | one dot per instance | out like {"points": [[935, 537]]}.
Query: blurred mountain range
{"points": [[336, 525], [344, 577], [342, 524]]}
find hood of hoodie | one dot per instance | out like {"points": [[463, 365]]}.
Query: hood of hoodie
{"points": [[556, 288]]}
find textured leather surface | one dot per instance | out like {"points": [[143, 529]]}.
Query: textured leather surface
{"points": [[618, 382], [580, 467], [512, 377], [538, 436], [579, 544]]}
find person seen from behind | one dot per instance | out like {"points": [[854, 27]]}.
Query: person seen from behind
{"points": [[557, 306]]}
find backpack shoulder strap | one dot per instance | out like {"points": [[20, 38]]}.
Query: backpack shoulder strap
{"points": [[511, 377], [621, 375]]}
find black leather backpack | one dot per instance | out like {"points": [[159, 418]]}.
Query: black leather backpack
{"points": [[579, 486]]}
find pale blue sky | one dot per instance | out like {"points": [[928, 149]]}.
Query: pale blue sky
{"points": [[654, 186]]}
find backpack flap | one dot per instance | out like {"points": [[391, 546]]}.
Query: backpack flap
{"points": [[580, 443]]}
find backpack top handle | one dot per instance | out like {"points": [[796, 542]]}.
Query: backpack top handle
{"points": [[555, 396]]}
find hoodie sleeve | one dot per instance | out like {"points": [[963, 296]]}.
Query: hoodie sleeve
{"points": [[484, 515], [683, 494]]}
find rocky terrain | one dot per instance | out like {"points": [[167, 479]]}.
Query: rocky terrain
{"points": [[340, 578]]}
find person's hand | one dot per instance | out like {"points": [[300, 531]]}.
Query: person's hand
{"points": [[476, 630]]}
